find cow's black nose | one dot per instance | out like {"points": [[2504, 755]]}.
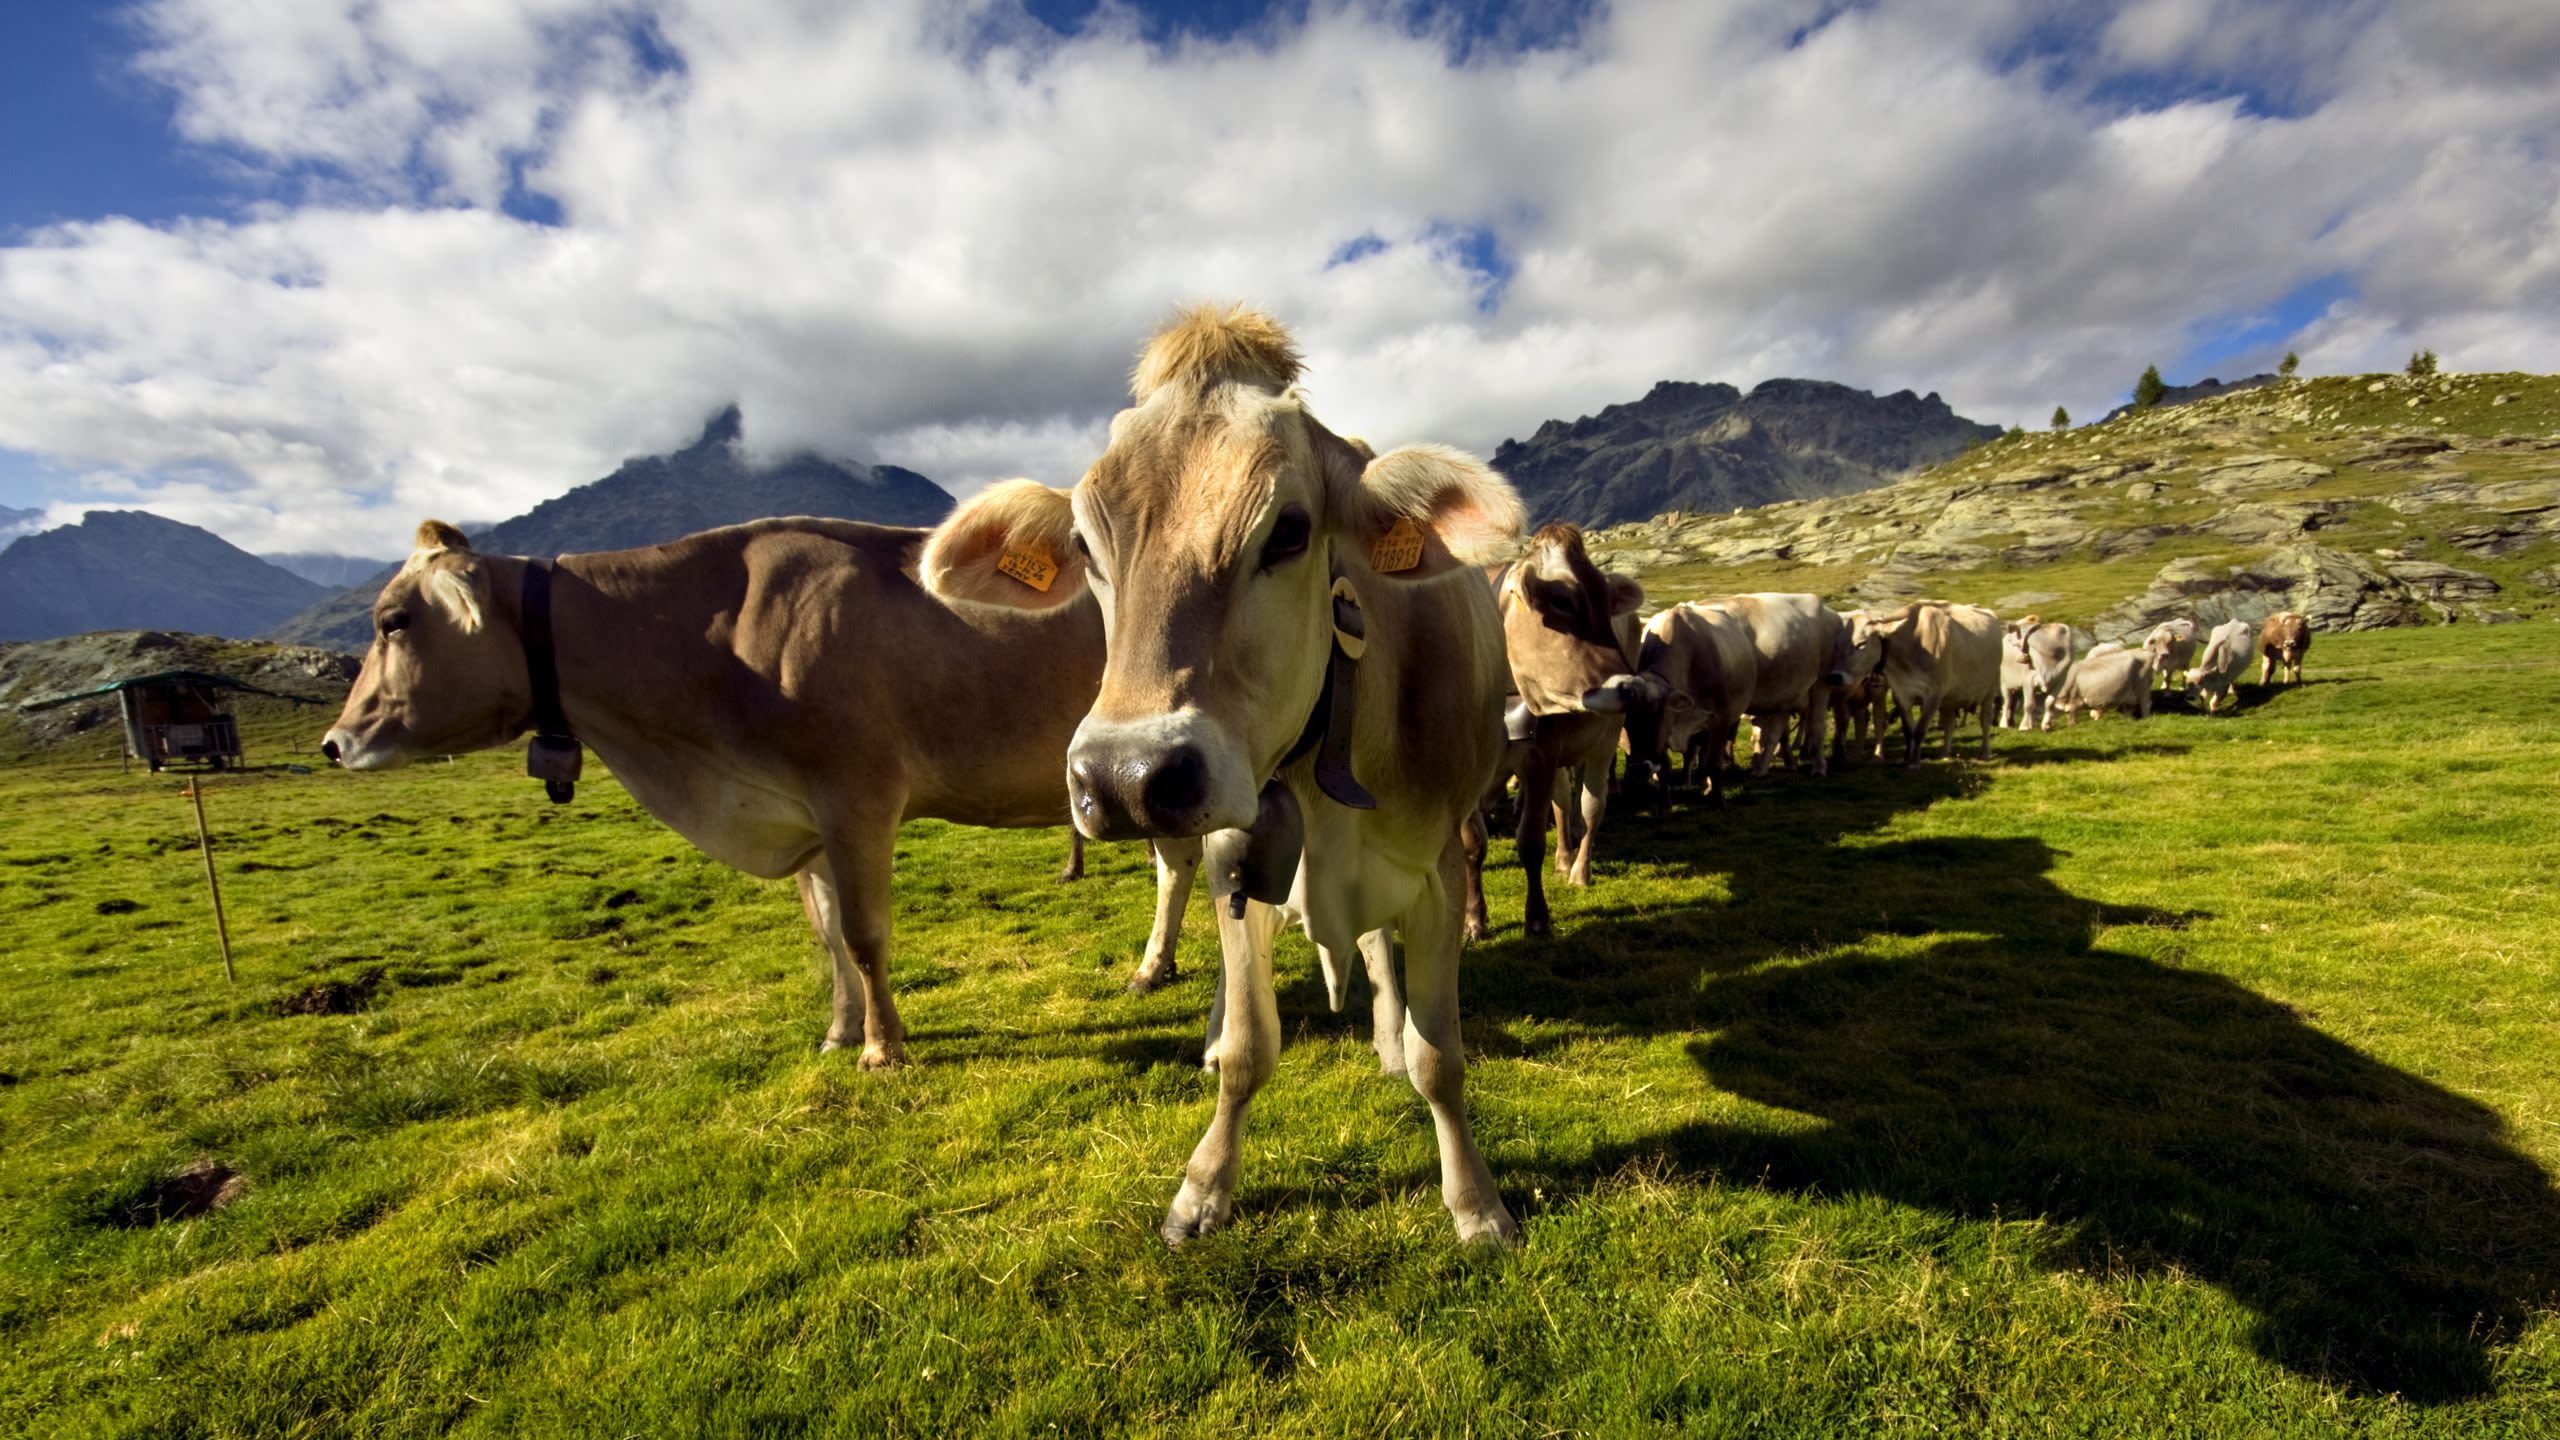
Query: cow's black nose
{"points": [[1123, 794], [330, 749]]}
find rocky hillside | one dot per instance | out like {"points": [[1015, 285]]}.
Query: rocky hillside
{"points": [[2204, 389], [1711, 447], [651, 501], [2361, 501], [42, 669], [129, 569]]}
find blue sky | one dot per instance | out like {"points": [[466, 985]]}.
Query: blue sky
{"points": [[430, 258]]}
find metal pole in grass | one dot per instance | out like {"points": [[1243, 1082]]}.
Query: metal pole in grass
{"points": [[204, 842]]}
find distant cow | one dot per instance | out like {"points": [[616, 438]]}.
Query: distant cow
{"points": [[783, 694], [2020, 696], [2226, 659], [1700, 674], [1297, 646], [2282, 642], [2052, 648], [2171, 648], [2109, 679], [1801, 653], [1561, 620], [1940, 660]]}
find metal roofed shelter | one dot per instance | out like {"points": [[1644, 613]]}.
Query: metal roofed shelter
{"points": [[174, 715]]}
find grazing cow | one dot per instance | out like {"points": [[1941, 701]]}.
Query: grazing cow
{"points": [[1699, 672], [1801, 654], [2226, 659], [783, 694], [2171, 648], [1940, 660], [2282, 642], [2052, 648], [2109, 679], [1298, 648], [1561, 619]]}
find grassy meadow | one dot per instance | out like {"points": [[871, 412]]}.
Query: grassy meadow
{"points": [[2194, 1076]]}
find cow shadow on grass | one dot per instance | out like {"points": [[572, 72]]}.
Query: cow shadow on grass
{"points": [[1945, 1007]]}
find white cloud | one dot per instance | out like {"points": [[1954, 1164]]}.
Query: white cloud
{"points": [[932, 234]]}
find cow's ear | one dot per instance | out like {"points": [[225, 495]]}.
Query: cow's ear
{"points": [[1626, 596], [437, 535], [1423, 510], [1011, 544]]}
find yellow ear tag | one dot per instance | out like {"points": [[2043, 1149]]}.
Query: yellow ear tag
{"points": [[1032, 567], [1399, 549]]}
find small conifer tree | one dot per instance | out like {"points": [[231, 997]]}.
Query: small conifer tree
{"points": [[2422, 365], [2061, 418], [2292, 362], [2148, 390]]}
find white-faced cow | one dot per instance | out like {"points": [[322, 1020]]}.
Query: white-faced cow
{"points": [[2226, 659], [2171, 649], [782, 694], [1940, 661], [1561, 617], [2021, 697], [2282, 642], [1698, 673], [1300, 650]]}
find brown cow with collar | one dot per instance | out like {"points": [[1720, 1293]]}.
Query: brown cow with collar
{"points": [[783, 694], [1300, 645], [1561, 623]]}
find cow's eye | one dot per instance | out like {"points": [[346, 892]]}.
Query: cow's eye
{"points": [[1288, 538], [395, 622]]}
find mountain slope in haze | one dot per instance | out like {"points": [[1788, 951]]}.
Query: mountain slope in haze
{"points": [[334, 571], [651, 501], [1694, 447], [15, 523], [132, 570], [2361, 501]]}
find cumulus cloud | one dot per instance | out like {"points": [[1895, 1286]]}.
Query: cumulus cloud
{"points": [[497, 246]]}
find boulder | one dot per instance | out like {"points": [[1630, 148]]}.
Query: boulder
{"points": [[2441, 584], [2261, 472], [2270, 523], [2333, 589]]}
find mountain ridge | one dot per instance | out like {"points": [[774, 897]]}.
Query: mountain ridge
{"points": [[133, 570], [649, 500], [1709, 446]]}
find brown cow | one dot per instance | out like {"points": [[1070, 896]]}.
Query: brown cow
{"points": [[2282, 642], [1297, 638], [782, 694], [1561, 621]]}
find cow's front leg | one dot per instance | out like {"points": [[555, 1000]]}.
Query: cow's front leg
{"points": [[1246, 1051], [1438, 1060], [1537, 787], [1176, 862], [1595, 804], [1075, 856], [1386, 1001], [851, 898]]}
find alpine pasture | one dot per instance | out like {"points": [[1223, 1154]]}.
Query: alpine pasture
{"points": [[2197, 1075]]}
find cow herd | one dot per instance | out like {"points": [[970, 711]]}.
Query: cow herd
{"points": [[1275, 654]]}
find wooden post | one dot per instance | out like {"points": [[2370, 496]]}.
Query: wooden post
{"points": [[204, 842]]}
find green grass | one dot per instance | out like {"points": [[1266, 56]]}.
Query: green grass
{"points": [[2193, 1076]]}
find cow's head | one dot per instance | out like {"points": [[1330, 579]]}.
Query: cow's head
{"points": [[1216, 530], [1660, 716], [1861, 649], [440, 677], [1560, 624]]}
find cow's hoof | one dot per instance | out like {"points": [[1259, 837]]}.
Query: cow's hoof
{"points": [[1538, 929], [830, 1045], [1490, 1225], [1195, 1212], [883, 1057], [1475, 930], [1391, 1060], [1149, 981]]}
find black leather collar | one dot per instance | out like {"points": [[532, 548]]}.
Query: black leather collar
{"points": [[554, 756]]}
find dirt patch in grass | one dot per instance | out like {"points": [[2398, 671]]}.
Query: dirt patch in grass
{"points": [[334, 997], [203, 1187]]}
